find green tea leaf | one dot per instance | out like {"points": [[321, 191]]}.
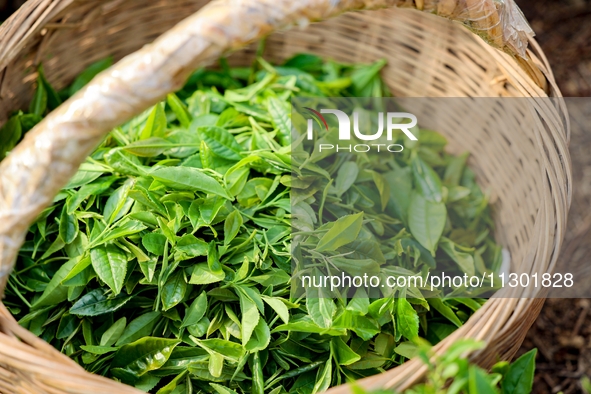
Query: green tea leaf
{"points": [[343, 354], [279, 307], [55, 292], [520, 375], [88, 74], [321, 310], [280, 118], [202, 275], [174, 290], [154, 243], [229, 350], [190, 179], [110, 264], [196, 311], [407, 319], [346, 177], [137, 358], [114, 332], [68, 226], [156, 123], [464, 260], [39, 103], [96, 303], [479, 382], [426, 221], [323, 378], [344, 231], [10, 135], [53, 99], [427, 180], [445, 310], [100, 350], [250, 317], [232, 226], [220, 142], [261, 336], [179, 109], [138, 328], [148, 147], [189, 246]]}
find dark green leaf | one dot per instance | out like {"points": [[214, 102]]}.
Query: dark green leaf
{"points": [[174, 290], [96, 303], [196, 311]]}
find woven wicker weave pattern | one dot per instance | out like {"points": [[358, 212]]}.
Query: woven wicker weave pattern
{"points": [[427, 56]]}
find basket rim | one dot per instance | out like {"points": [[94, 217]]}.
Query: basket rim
{"points": [[61, 119]]}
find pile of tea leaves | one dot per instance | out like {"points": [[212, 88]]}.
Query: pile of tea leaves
{"points": [[166, 261]]}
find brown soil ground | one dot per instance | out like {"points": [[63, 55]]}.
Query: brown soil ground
{"points": [[562, 333]]}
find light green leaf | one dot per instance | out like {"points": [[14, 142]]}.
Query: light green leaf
{"points": [[202, 275], [220, 142], [426, 220], [280, 118], [346, 177], [136, 359], [139, 327], [278, 306], [179, 109], [232, 226], [407, 319], [154, 243], [321, 310], [149, 147], [463, 259], [188, 178], [250, 316], [426, 180], [99, 350], [520, 375], [114, 332], [156, 123], [344, 231], [110, 264], [343, 354]]}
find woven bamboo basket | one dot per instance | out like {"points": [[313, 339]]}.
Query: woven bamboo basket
{"points": [[427, 56]]}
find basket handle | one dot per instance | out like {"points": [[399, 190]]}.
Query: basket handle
{"points": [[51, 153]]}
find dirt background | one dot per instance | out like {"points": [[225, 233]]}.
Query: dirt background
{"points": [[562, 333]]}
